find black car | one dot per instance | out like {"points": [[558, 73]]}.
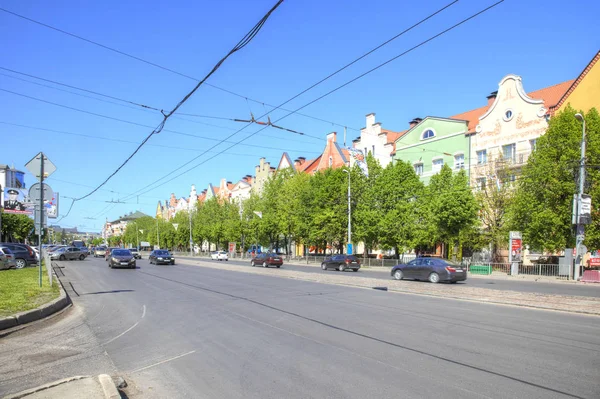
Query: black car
{"points": [[121, 258], [432, 269], [341, 263], [135, 253], [24, 254], [161, 257]]}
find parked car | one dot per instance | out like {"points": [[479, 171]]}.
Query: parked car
{"points": [[161, 256], [120, 257], [107, 253], [432, 269], [341, 263], [136, 254], [219, 255], [84, 250], [267, 259], [99, 251], [67, 253], [4, 258], [24, 254], [10, 257]]}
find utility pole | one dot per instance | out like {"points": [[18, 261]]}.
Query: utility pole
{"points": [[137, 232], [41, 217], [580, 226], [157, 234], [349, 249], [191, 240]]}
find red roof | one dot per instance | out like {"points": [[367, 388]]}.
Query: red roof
{"points": [[392, 136], [550, 95]]}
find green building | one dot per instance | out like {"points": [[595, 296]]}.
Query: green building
{"points": [[432, 142]]}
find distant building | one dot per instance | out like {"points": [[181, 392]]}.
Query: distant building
{"points": [[117, 227], [377, 141], [262, 172]]}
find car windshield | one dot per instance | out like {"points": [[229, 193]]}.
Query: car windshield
{"points": [[161, 253], [121, 252]]}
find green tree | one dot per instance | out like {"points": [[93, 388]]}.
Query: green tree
{"points": [[396, 192], [365, 211], [97, 241], [16, 228], [114, 241], [452, 207], [543, 201]]}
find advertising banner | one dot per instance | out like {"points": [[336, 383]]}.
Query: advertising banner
{"points": [[52, 207], [16, 200], [516, 246], [359, 158]]}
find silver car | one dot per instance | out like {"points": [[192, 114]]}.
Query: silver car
{"points": [[67, 253], [5, 253]]}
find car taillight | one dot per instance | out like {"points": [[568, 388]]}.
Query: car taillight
{"points": [[30, 251], [450, 269]]}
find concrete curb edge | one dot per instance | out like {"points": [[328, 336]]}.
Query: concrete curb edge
{"points": [[38, 313], [109, 387]]}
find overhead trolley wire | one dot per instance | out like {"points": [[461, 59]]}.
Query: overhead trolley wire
{"points": [[166, 115]]}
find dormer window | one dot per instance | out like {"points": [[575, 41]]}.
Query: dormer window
{"points": [[427, 134]]}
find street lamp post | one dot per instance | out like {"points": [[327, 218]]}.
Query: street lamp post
{"points": [[191, 241], [349, 249], [157, 234], [580, 226]]}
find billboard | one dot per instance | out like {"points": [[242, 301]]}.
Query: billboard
{"points": [[16, 200], [52, 207]]}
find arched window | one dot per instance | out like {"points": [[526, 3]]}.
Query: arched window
{"points": [[330, 161], [427, 134]]}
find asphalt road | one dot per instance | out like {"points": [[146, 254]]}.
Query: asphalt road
{"points": [[383, 273], [188, 331]]}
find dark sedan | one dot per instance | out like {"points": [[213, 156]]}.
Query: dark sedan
{"points": [[161, 257], [108, 253], [267, 259], [121, 258], [341, 263], [432, 269]]}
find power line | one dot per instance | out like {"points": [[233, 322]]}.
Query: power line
{"points": [[151, 145], [239, 46], [146, 108], [304, 91], [324, 95], [160, 66]]}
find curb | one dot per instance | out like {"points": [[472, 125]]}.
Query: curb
{"points": [[45, 386], [38, 313], [109, 387]]}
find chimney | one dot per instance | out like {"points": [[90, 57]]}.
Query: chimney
{"points": [[228, 183], [414, 122], [370, 119], [491, 98], [332, 137]]}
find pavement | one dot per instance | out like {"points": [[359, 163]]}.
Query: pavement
{"points": [[495, 282], [100, 387], [187, 331]]}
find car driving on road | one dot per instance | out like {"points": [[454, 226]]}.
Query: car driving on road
{"points": [[161, 257], [267, 259], [136, 254], [341, 263], [99, 251], [67, 253], [219, 255], [433, 270], [107, 253], [120, 257]]}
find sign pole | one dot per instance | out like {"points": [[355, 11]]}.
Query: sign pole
{"points": [[41, 218]]}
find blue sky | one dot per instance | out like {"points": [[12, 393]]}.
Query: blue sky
{"points": [[545, 42]]}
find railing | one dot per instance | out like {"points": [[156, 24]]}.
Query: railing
{"points": [[542, 270]]}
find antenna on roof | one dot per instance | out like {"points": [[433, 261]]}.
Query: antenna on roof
{"points": [[344, 136]]}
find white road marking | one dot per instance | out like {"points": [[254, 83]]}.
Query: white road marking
{"points": [[163, 361], [129, 329]]}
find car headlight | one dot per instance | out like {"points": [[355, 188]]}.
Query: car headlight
{"points": [[160, 258], [115, 259], [131, 260]]}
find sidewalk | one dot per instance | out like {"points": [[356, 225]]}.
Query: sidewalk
{"points": [[100, 387]]}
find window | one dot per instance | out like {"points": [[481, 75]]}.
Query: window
{"points": [[418, 169], [365, 153], [533, 144], [508, 114], [481, 157], [437, 165], [427, 134], [373, 152], [509, 152], [459, 161], [481, 183], [330, 161]]}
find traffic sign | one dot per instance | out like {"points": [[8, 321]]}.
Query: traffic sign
{"points": [[35, 166], [35, 192]]}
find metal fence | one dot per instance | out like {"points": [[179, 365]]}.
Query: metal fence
{"points": [[542, 270]]}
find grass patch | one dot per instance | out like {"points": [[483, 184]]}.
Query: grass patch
{"points": [[20, 290]]}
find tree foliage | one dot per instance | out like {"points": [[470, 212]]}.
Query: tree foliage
{"points": [[543, 201], [16, 228]]}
